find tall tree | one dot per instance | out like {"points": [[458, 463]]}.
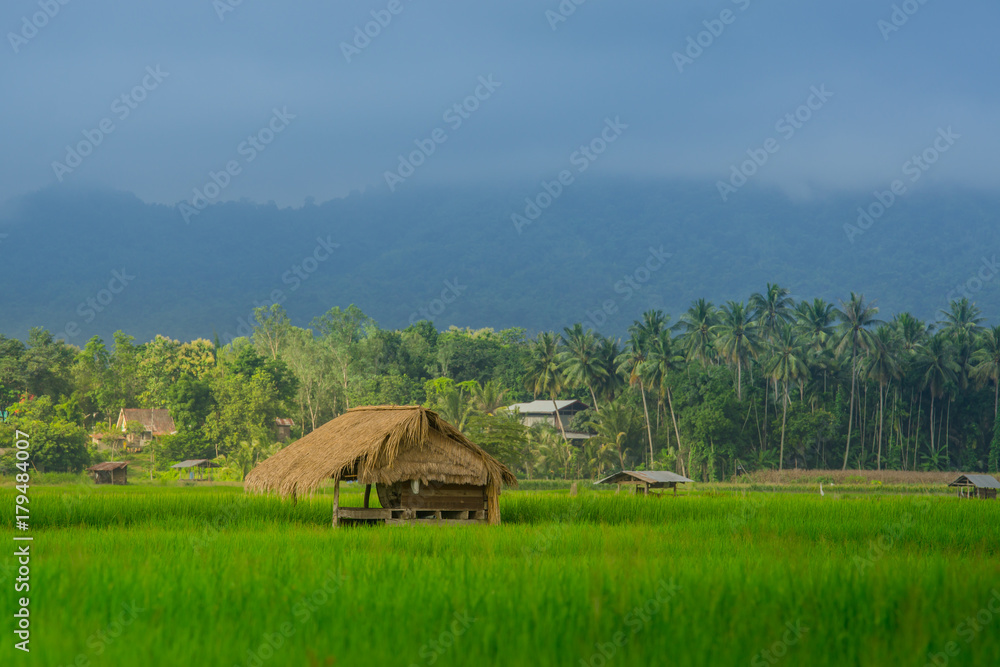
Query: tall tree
{"points": [[630, 365], [737, 339], [696, 326], [856, 317], [581, 361], [787, 365], [544, 373], [882, 366]]}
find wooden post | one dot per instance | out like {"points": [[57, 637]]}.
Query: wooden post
{"points": [[674, 484], [336, 503], [368, 494], [647, 488]]}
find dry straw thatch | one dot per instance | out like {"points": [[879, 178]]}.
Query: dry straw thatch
{"points": [[382, 445]]}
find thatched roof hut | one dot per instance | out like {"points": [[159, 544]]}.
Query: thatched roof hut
{"points": [[396, 448]]}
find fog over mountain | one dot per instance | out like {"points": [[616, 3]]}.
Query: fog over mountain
{"points": [[532, 152]]}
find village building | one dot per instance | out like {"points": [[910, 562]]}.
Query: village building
{"points": [[546, 411], [645, 479], [424, 470], [977, 486], [155, 424], [283, 428], [111, 472]]}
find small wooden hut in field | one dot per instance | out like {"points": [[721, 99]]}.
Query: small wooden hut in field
{"points": [[196, 464], [978, 486], [111, 472], [422, 467], [647, 479]]}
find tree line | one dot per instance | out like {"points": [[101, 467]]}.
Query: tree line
{"points": [[764, 383]]}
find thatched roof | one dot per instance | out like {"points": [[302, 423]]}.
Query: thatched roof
{"points": [[381, 445]]}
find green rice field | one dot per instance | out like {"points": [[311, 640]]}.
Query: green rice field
{"points": [[146, 575]]}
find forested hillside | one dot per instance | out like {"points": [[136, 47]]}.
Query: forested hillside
{"points": [[602, 253], [719, 390]]}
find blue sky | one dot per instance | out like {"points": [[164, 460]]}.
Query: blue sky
{"points": [[224, 73]]}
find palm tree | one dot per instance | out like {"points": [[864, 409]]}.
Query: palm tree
{"points": [[696, 326], [544, 372], [882, 367], [489, 397], [662, 359], [629, 364], [816, 321], [773, 308], [736, 339], [987, 363], [937, 369], [615, 425], [962, 326], [581, 361], [855, 317], [787, 365], [610, 381]]}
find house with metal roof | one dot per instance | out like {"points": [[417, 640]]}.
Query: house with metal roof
{"points": [[979, 486], [545, 411], [200, 464], [648, 479]]}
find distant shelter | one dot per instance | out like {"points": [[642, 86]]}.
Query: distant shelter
{"points": [[645, 479], [111, 472], [977, 486]]}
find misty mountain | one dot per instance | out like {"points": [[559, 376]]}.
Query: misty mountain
{"points": [[600, 252]]}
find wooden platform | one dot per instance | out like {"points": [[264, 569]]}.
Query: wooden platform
{"points": [[409, 515]]}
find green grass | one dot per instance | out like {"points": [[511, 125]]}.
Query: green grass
{"points": [[875, 579]]}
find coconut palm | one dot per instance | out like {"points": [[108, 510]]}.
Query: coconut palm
{"points": [[488, 398], [772, 309], [662, 359], [544, 373], [787, 365], [581, 360], [882, 366], [987, 363], [961, 324], [937, 366], [856, 317], [696, 326], [816, 321], [610, 382], [629, 364], [737, 339]]}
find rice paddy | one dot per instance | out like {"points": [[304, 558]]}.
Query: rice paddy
{"points": [[210, 576]]}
